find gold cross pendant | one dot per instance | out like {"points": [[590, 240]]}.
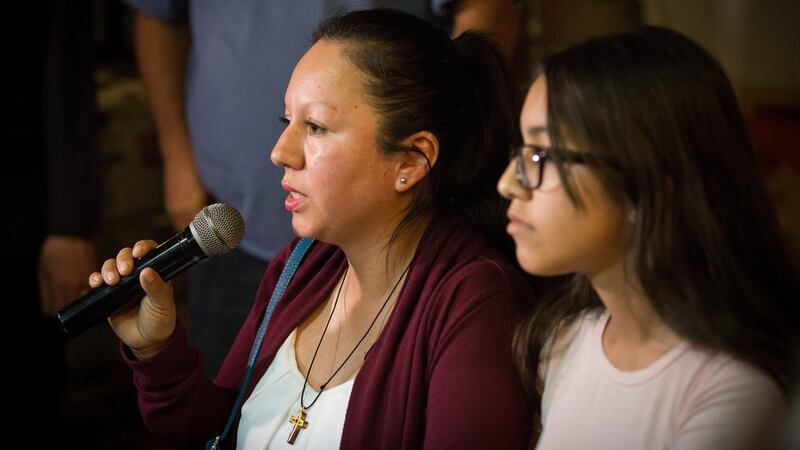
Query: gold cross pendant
{"points": [[299, 423]]}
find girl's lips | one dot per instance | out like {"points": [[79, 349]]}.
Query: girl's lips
{"points": [[515, 225]]}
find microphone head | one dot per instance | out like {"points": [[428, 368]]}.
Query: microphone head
{"points": [[218, 229]]}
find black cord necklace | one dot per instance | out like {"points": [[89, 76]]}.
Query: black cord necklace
{"points": [[299, 421]]}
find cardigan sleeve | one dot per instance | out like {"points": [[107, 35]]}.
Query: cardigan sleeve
{"points": [[475, 398], [177, 403]]}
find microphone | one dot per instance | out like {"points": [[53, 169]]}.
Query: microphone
{"points": [[215, 230]]}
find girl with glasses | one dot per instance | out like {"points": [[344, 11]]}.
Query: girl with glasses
{"points": [[672, 323]]}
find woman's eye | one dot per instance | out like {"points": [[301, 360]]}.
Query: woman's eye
{"points": [[284, 120], [314, 128]]}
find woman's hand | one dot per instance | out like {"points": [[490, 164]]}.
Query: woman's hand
{"points": [[145, 327]]}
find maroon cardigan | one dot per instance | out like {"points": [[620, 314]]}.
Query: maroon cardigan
{"points": [[439, 376]]}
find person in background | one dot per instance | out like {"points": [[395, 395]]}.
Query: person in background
{"points": [[215, 75], [675, 325], [395, 331], [51, 201]]}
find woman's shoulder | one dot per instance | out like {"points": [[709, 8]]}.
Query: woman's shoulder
{"points": [[318, 254], [315, 250], [481, 277], [475, 299], [319, 261], [458, 254]]}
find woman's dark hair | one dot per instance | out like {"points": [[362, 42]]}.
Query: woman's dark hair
{"points": [[664, 132], [418, 79]]}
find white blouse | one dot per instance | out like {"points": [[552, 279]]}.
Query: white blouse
{"points": [[265, 415]]}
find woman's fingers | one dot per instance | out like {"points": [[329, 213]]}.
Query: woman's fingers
{"points": [[113, 269], [109, 272], [157, 290], [124, 261], [141, 248], [95, 280]]}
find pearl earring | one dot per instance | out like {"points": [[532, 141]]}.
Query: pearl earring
{"points": [[403, 181]]}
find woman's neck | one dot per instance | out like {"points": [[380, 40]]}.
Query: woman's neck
{"points": [[375, 265]]}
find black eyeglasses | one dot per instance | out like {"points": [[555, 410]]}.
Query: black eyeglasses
{"points": [[530, 161]]}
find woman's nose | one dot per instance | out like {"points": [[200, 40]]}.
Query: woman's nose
{"points": [[288, 150]]}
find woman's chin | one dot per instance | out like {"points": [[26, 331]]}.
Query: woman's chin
{"points": [[302, 229]]}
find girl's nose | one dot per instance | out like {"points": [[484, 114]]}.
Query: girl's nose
{"points": [[509, 187]]}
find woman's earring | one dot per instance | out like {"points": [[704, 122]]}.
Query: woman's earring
{"points": [[403, 181]]}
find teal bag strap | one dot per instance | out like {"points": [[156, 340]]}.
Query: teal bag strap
{"points": [[296, 256]]}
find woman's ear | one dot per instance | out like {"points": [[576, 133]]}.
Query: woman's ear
{"points": [[415, 163]]}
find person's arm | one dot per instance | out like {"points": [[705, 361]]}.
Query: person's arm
{"points": [[500, 19], [178, 404], [67, 253], [475, 397], [162, 49], [64, 262]]}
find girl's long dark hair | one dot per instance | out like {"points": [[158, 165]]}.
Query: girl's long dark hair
{"points": [[420, 79], [660, 121]]}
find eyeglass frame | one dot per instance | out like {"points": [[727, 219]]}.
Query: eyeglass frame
{"points": [[539, 157]]}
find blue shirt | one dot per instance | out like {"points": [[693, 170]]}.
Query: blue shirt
{"points": [[243, 53]]}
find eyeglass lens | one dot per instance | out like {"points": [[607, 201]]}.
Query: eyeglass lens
{"points": [[529, 167]]}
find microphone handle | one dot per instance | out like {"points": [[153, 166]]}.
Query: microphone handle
{"points": [[168, 259]]}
